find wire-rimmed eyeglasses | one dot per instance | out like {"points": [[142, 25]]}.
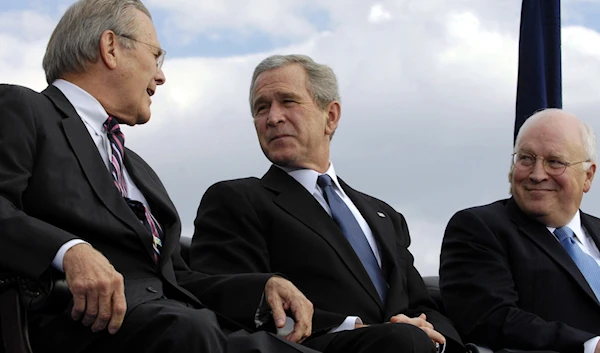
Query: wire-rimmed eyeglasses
{"points": [[160, 56], [552, 165]]}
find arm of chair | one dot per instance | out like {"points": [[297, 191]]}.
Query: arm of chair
{"points": [[17, 297]]}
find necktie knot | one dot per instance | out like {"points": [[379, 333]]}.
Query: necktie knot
{"points": [[563, 233], [324, 180], [111, 125]]}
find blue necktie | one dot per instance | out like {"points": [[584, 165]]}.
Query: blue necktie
{"points": [[345, 219], [587, 265]]}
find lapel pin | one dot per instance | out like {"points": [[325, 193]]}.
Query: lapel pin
{"points": [[380, 214]]}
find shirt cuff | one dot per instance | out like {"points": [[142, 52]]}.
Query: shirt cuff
{"points": [[589, 346], [57, 263], [348, 324], [263, 312]]}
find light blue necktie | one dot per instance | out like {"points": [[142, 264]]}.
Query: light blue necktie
{"points": [[345, 219], [587, 265]]}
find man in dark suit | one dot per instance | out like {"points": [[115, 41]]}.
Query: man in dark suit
{"points": [[347, 251], [74, 200], [523, 273]]}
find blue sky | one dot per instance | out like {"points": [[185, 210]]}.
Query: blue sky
{"points": [[427, 86]]}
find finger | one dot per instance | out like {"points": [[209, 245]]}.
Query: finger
{"points": [[78, 306], [104, 312], [91, 309], [422, 323], [435, 336], [302, 310], [298, 334], [277, 308], [400, 318], [302, 328], [423, 317], [119, 308]]}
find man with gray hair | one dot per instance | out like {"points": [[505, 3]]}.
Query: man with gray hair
{"points": [[74, 200], [524, 273], [347, 251]]}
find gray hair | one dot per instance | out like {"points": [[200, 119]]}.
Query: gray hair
{"points": [[588, 138], [75, 42], [322, 83]]}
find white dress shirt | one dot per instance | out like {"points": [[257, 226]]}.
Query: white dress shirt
{"points": [[586, 243], [93, 116], [308, 179]]}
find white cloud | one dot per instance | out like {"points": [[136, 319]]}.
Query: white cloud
{"points": [[278, 18], [379, 14], [427, 100]]}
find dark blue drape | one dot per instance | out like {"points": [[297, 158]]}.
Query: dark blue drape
{"points": [[539, 82]]}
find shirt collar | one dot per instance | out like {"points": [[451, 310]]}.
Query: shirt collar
{"points": [[308, 178], [575, 226], [86, 106]]}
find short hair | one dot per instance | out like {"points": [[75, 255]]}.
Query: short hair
{"points": [[322, 83], [588, 138], [75, 42]]}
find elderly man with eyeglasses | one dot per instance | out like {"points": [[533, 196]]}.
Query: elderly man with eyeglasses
{"points": [[75, 201], [524, 273]]}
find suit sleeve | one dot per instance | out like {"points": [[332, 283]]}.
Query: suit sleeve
{"points": [[231, 238], [420, 302], [480, 296], [28, 244]]}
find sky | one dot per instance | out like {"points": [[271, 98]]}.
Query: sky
{"points": [[427, 89]]}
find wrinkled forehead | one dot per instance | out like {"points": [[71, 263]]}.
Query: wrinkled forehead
{"points": [[289, 79]]}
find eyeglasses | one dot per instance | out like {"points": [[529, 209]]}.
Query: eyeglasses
{"points": [[160, 56], [552, 165]]}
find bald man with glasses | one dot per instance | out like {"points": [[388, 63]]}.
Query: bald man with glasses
{"points": [[524, 273]]}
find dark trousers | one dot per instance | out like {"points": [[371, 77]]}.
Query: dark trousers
{"points": [[380, 338], [158, 326]]}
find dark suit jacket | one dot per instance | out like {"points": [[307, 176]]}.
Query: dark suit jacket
{"points": [[507, 282], [54, 187], [274, 224]]}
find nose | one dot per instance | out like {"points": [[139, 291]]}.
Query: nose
{"points": [[276, 115], [538, 173], [160, 78]]}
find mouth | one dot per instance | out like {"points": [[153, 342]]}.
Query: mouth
{"points": [[150, 92], [538, 190], [278, 137]]}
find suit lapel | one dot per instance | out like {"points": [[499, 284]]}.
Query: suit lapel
{"points": [[383, 232], [380, 225], [592, 227], [161, 206], [91, 162], [293, 198], [547, 242]]}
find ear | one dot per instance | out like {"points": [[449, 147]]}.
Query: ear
{"points": [[589, 176], [109, 48], [334, 112]]}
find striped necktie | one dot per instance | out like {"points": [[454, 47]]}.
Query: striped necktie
{"points": [[117, 147], [587, 265]]}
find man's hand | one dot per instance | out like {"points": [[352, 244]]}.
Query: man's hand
{"points": [[421, 322], [282, 295], [97, 288]]}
